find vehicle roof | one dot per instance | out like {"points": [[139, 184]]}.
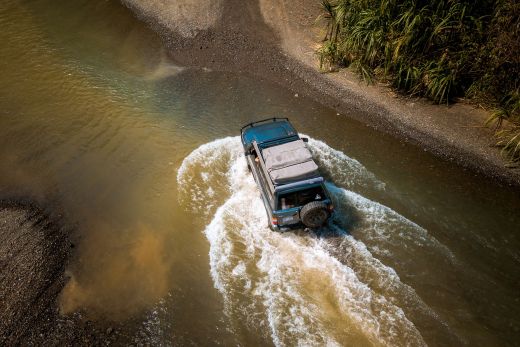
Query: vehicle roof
{"points": [[261, 133]]}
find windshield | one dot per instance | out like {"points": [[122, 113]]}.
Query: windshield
{"points": [[300, 198]]}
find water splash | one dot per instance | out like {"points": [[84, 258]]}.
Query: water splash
{"points": [[296, 288], [346, 171], [203, 175]]}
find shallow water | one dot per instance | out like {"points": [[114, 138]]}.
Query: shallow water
{"points": [[142, 158]]}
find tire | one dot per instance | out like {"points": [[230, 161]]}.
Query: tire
{"points": [[314, 214]]}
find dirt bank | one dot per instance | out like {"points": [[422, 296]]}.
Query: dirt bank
{"points": [[34, 250], [275, 40]]}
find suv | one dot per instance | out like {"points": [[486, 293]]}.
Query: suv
{"points": [[292, 189]]}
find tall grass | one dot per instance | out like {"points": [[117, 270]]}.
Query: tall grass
{"points": [[440, 49]]}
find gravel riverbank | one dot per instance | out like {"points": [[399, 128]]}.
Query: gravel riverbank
{"points": [[33, 254], [34, 251]]}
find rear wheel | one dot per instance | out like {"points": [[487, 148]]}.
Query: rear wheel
{"points": [[314, 214]]}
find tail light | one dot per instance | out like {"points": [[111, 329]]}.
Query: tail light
{"points": [[274, 220]]}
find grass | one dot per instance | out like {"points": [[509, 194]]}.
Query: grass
{"points": [[440, 49], [508, 138]]}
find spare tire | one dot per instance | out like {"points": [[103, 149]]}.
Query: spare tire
{"points": [[314, 214]]}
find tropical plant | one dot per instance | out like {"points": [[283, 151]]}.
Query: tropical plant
{"points": [[508, 138], [440, 49]]}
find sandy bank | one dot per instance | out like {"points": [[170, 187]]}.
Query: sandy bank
{"points": [[276, 40]]}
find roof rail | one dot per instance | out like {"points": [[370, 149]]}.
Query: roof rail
{"points": [[264, 169], [313, 180], [274, 119]]}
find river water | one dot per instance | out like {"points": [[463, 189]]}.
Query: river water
{"points": [[142, 159]]}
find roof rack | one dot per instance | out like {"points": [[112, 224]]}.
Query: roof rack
{"points": [[313, 180], [274, 119]]}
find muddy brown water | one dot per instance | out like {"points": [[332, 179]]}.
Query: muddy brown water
{"points": [[142, 157]]}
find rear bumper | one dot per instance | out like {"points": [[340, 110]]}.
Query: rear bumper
{"points": [[287, 227], [297, 225]]}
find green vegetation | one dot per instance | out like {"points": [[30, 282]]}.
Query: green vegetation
{"points": [[440, 49]]}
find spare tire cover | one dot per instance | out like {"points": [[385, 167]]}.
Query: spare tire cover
{"points": [[314, 214]]}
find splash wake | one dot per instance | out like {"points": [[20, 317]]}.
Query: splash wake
{"points": [[303, 288]]}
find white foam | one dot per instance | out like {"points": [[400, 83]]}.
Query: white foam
{"points": [[202, 177], [380, 225], [290, 285], [281, 273], [346, 171]]}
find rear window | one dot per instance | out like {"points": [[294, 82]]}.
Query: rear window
{"points": [[300, 198]]}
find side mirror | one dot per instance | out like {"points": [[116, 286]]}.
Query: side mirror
{"points": [[305, 139]]}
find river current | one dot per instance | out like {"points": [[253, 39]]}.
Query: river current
{"points": [[142, 159]]}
